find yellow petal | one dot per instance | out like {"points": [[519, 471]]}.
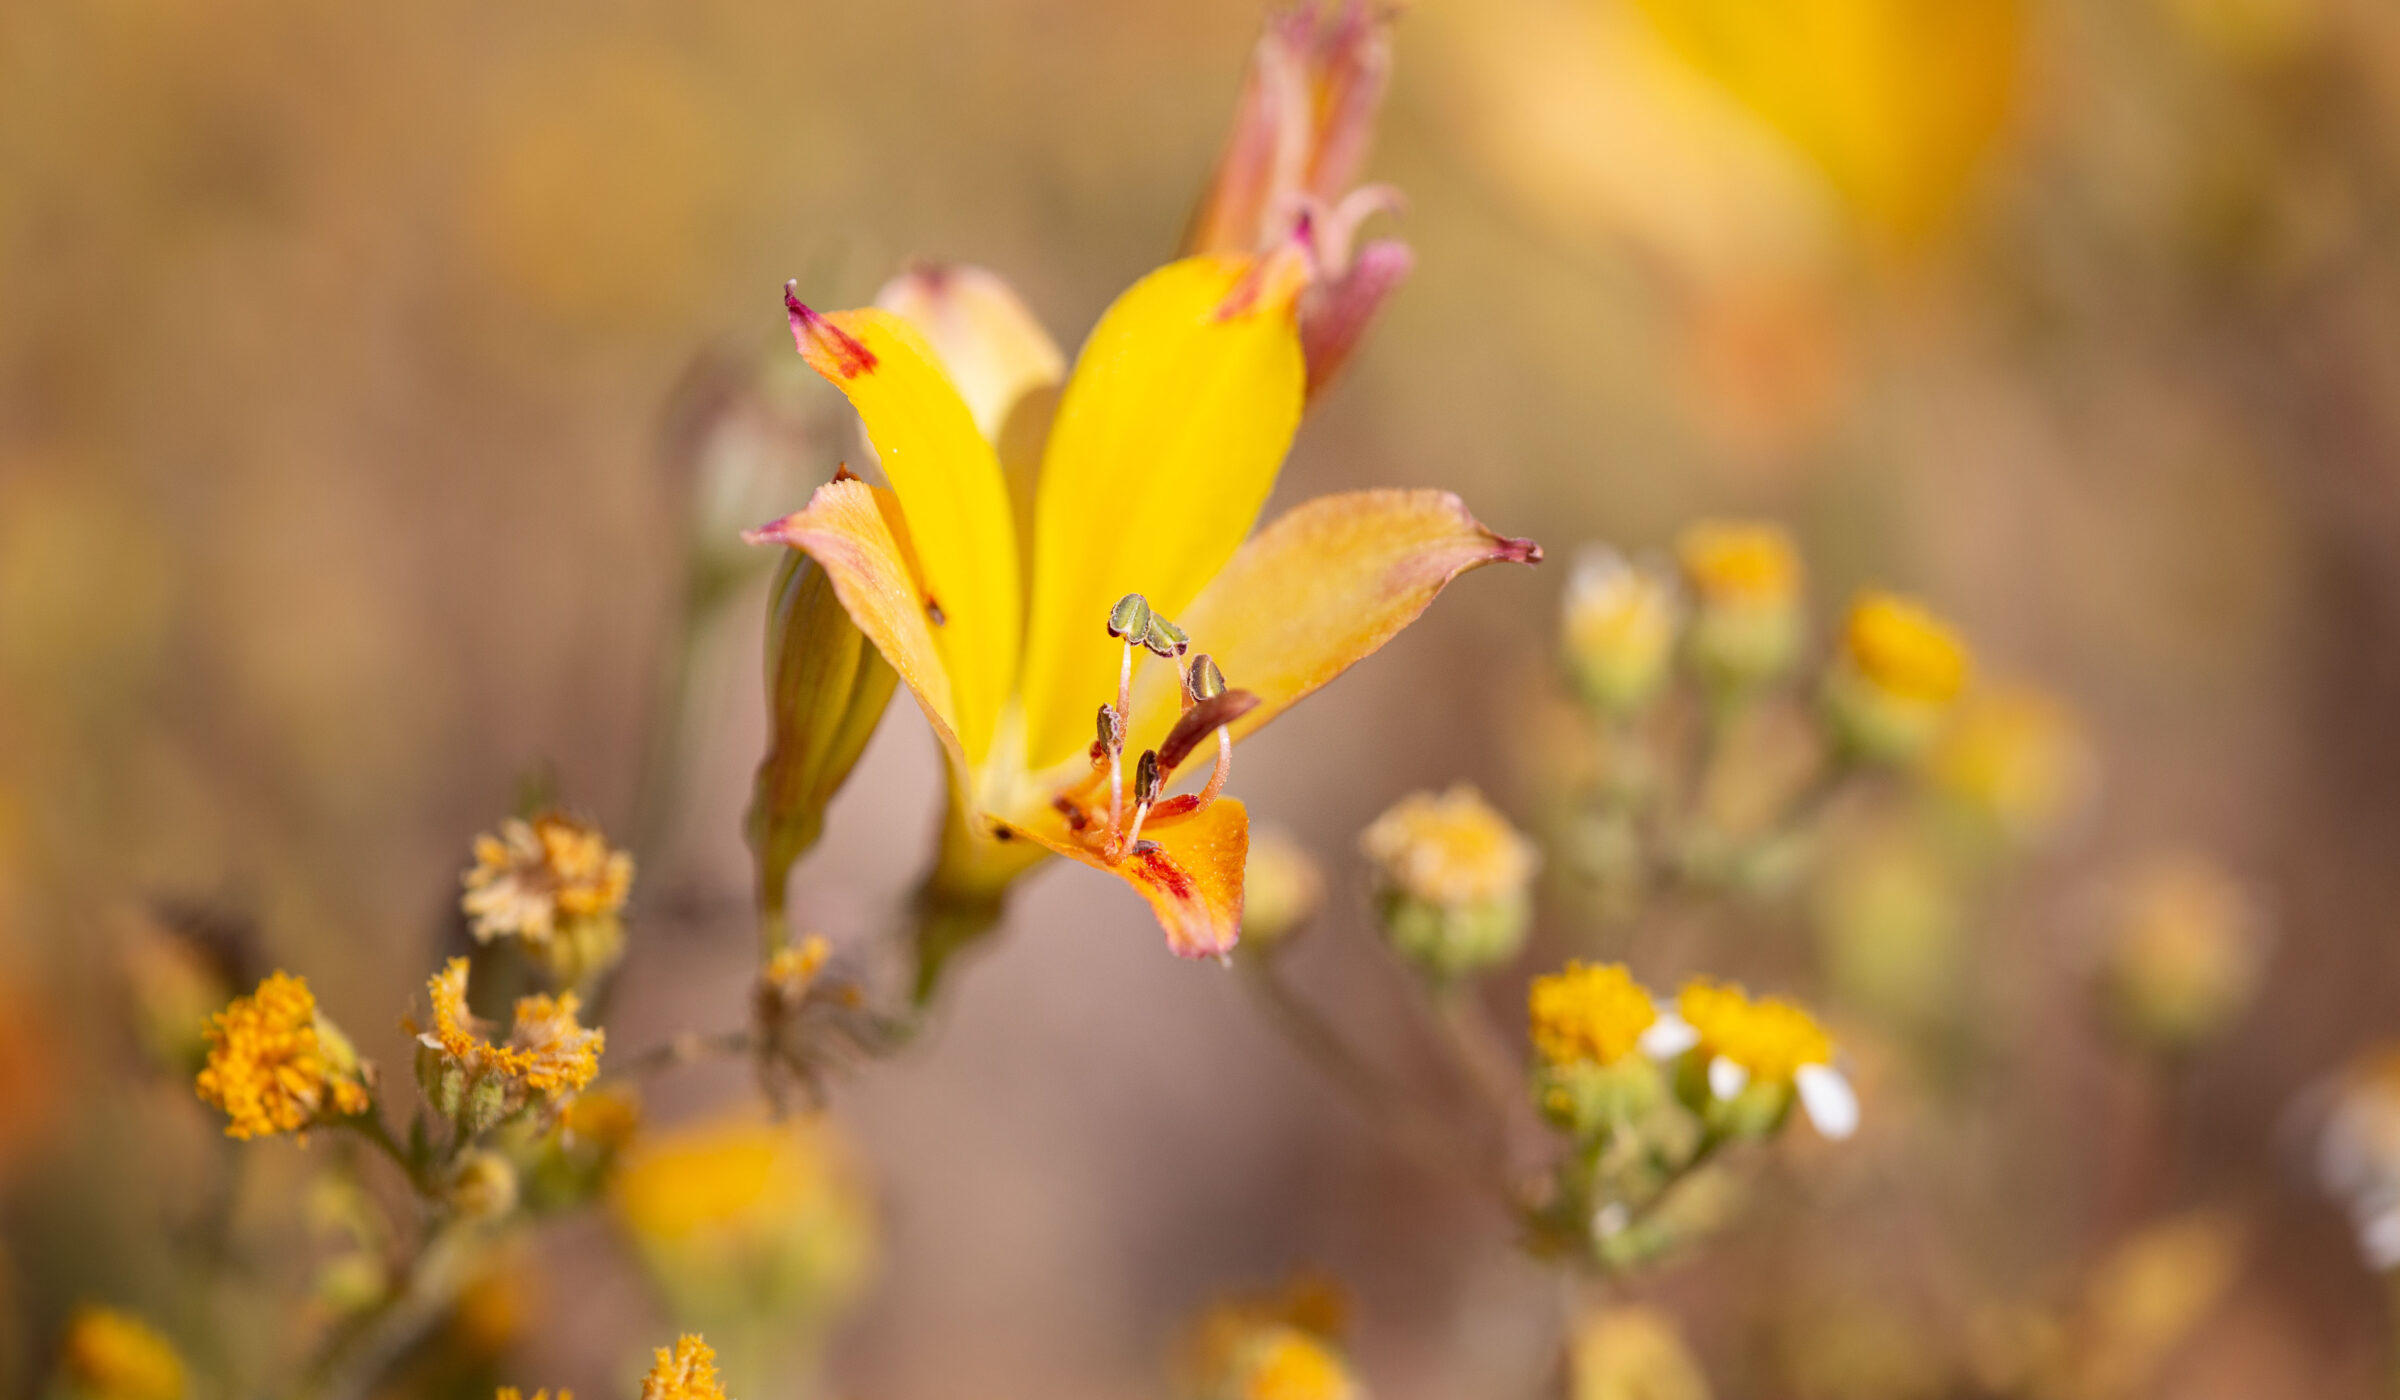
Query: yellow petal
{"points": [[989, 343], [1192, 877], [1320, 590], [861, 537], [949, 484], [1180, 409]]}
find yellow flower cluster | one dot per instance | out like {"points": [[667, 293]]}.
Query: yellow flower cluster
{"points": [[1589, 1014], [687, 1371], [1271, 1346], [533, 877], [1739, 562], [1770, 1038], [275, 1066], [548, 1051], [1904, 651], [109, 1355], [1451, 851]]}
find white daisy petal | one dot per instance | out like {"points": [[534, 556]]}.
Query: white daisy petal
{"points": [[1828, 1099], [1725, 1078], [1670, 1035]]}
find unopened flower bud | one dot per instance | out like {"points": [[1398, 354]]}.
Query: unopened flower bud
{"points": [[1899, 672], [1620, 627], [1282, 891], [483, 1188], [1203, 678], [486, 1104], [1164, 638], [2184, 942], [1453, 882], [1129, 620], [1745, 580], [444, 1083]]}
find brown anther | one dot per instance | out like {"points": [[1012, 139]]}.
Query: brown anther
{"points": [[1146, 778]]}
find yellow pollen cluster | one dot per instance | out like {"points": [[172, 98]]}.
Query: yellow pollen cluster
{"points": [[1290, 1364], [1904, 651], [268, 1065], [109, 1355], [1453, 850], [1770, 1037], [1584, 1013], [1739, 562], [533, 876], [548, 1051], [688, 1371]]}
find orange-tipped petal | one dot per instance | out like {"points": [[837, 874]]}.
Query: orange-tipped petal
{"points": [[1190, 872], [949, 483], [1165, 446], [1320, 590], [857, 532]]}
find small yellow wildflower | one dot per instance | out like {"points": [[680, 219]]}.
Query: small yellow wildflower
{"points": [[1769, 1043], [109, 1355], [1632, 1353], [1453, 850], [1289, 1364], [1589, 1014], [2015, 758], [1620, 624], [1453, 881], [548, 1054], [1284, 889], [2184, 945], [1745, 577], [687, 1371], [555, 885], [276, 1066], [608, 1117], [1903, 650], [1740, 562]]}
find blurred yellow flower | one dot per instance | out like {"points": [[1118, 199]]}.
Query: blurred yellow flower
{"points": [[743, 1213], [549, 1053], [556, 886], [1620, 624], [686, 1371], [1632, 1353], [276, 1066], [1903, 650], [790, 972], [2015, 758], [1453, 881], [1272, 1346], [109, 1355], [1283, 888], [1745, 578], [2182, 950], [1289, 1364], [1594, 1014]]}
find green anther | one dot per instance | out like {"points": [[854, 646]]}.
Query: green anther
{"points": [[1165, 638], [1112, 731], [1203, 678], [1129, 620], [1145, 777]]}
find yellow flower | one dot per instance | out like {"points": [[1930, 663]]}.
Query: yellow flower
{"points": [[2184, 944], [1620, 626], [722, 1208], [791, 971], [2016, 758], [1632, 1353], [990, 573], [549, 1053], [1283, 889], [1453, 881], [1768, 1042], [1589, 1014], [1745, 580], [109, 1355], [556, 885], [1272, 1346], [1452, 849], [687, 1371], [276, 1066], [1740, 562], [1903, 650]]}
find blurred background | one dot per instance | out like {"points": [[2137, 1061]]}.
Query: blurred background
{"points": [[341, 351]]}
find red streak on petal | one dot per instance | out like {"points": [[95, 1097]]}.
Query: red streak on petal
{"points": [[836, 348], [1167, 875]]}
